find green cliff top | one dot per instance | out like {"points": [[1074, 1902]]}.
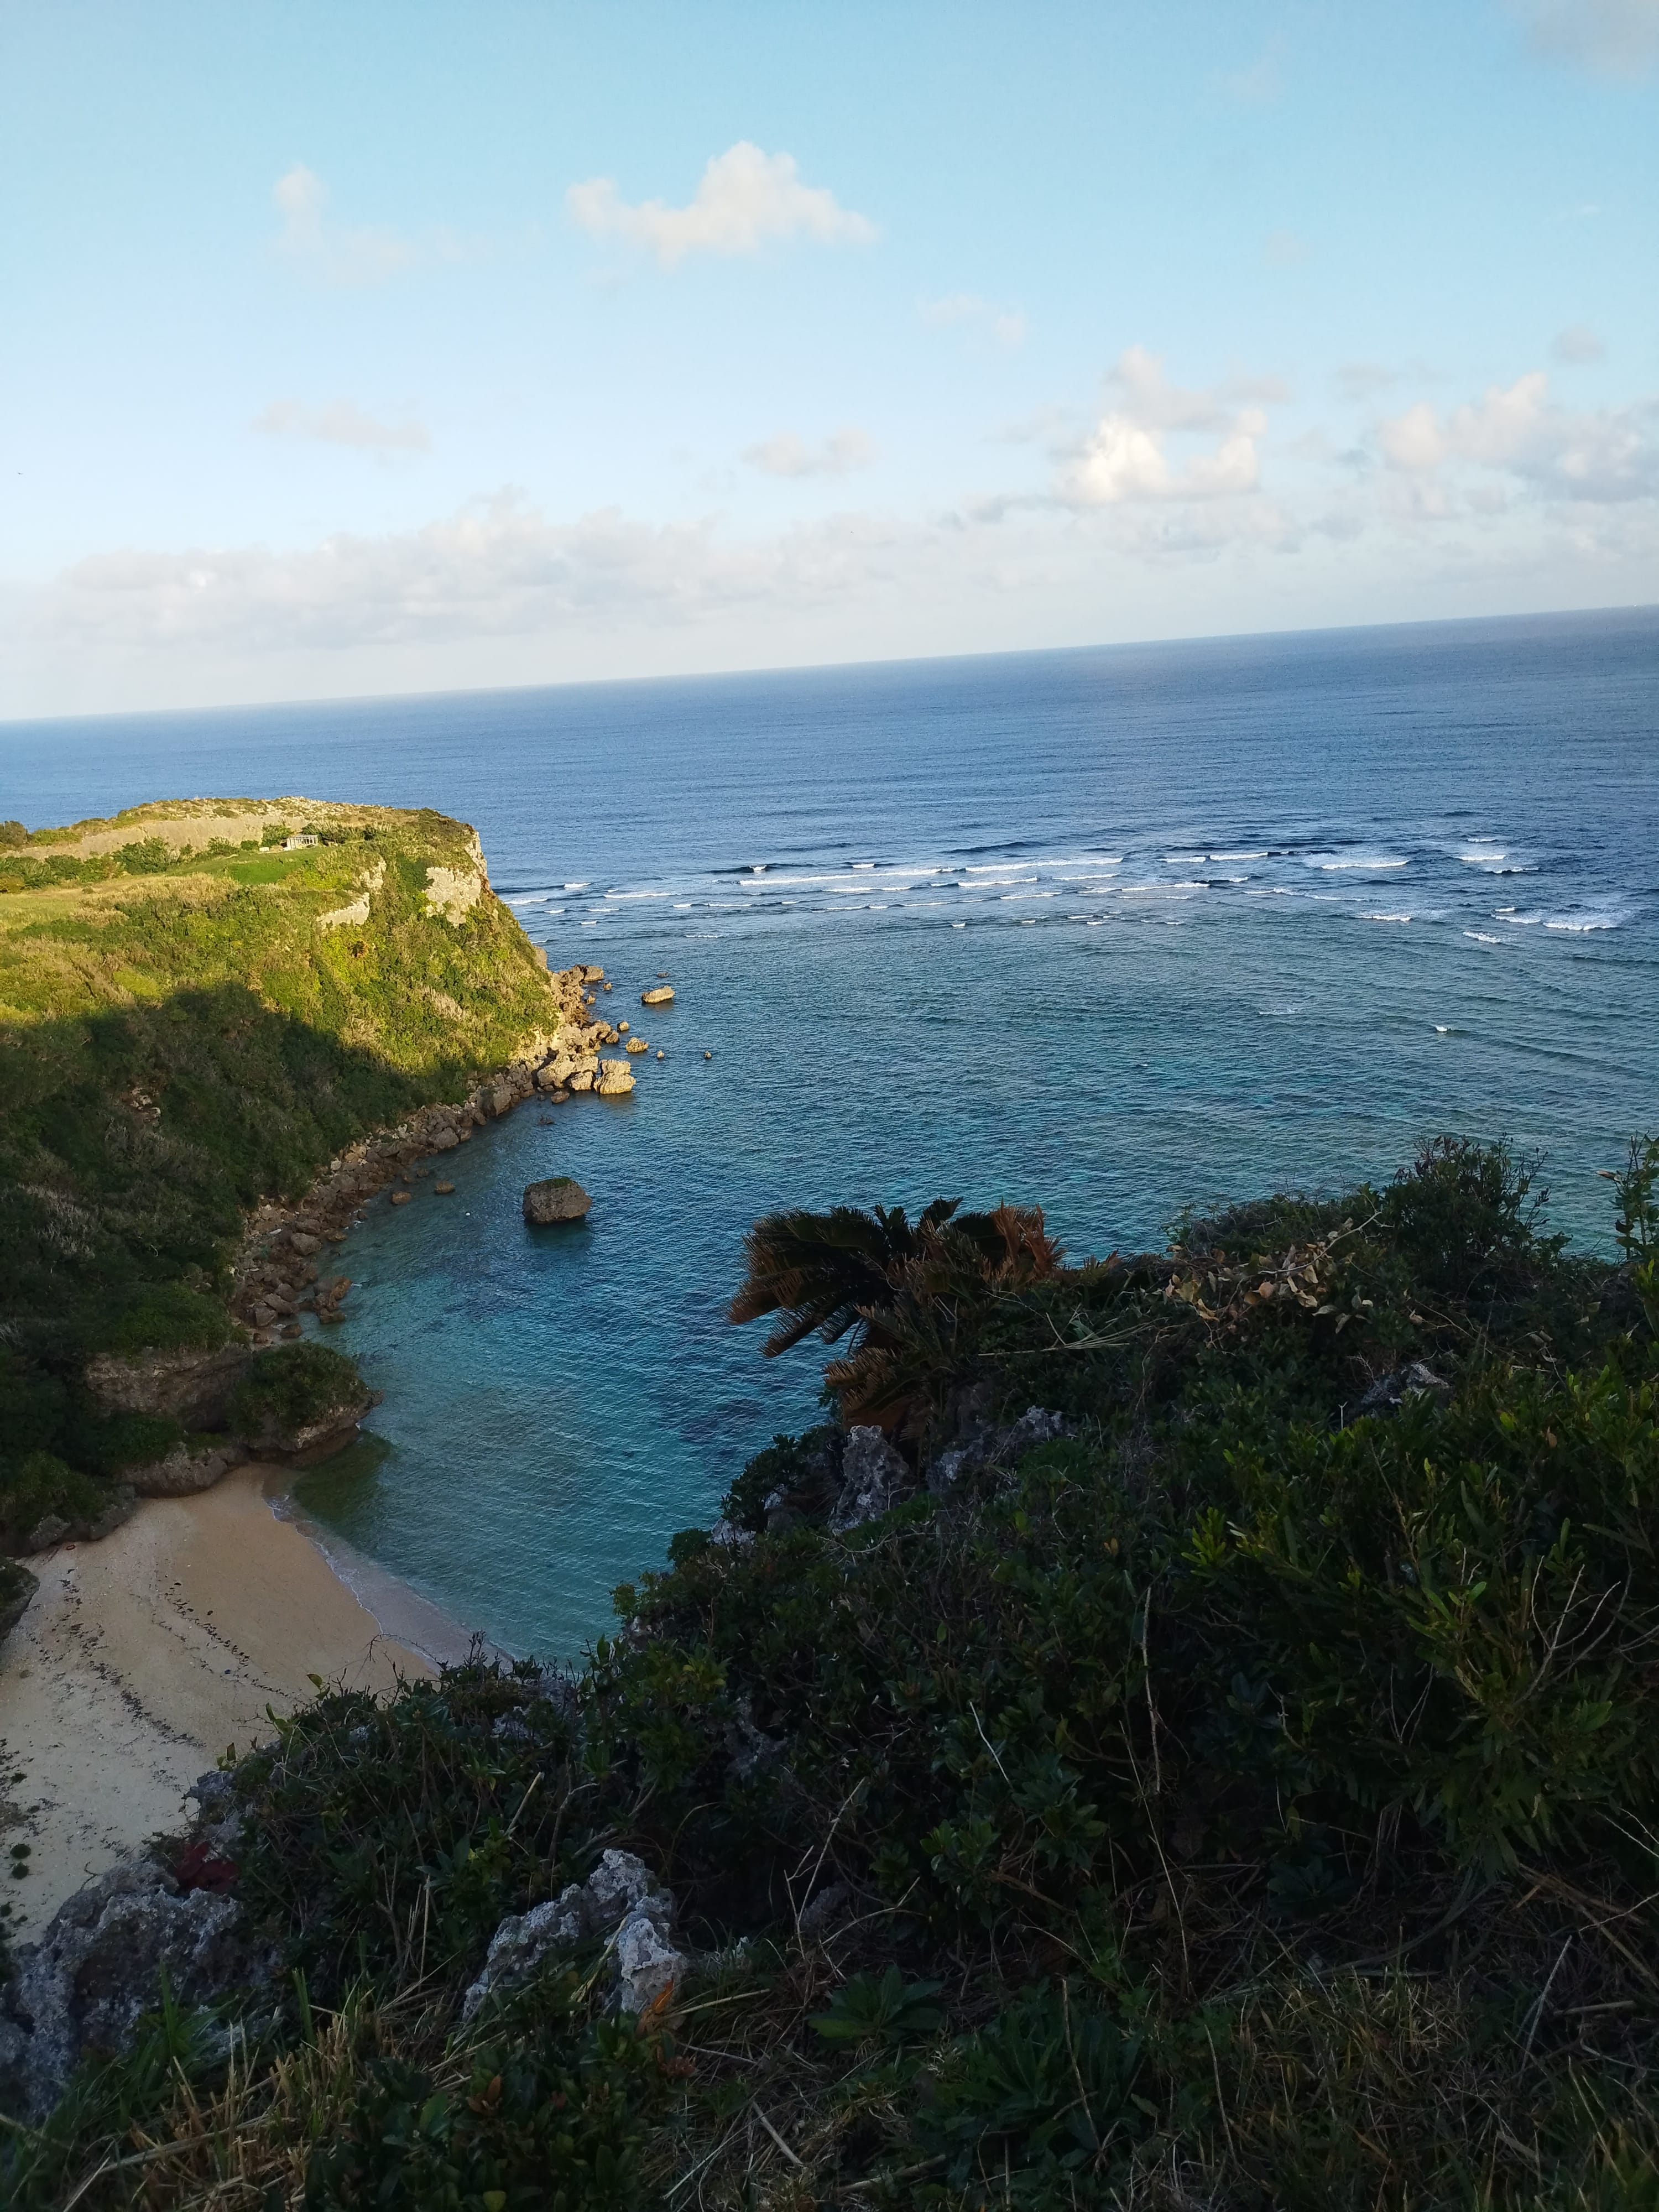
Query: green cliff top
{"points": [[197, 1011]]}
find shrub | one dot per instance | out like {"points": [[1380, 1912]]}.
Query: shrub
{"points": [[289, 1389], [39, 1487], [148, 856], [166, 1317]]}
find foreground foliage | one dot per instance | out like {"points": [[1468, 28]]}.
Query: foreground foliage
{"points": [[1250, 1799]]}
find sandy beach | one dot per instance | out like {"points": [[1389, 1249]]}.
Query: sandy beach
{"points": [[143, 1657]]}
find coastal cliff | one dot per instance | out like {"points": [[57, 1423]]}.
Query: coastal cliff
{"points": [[216, 1014]]}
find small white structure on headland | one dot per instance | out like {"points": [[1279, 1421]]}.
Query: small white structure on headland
{"points": [[299, 840]]}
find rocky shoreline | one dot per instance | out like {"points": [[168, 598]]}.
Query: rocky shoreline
{"points": [[283, 1268]]}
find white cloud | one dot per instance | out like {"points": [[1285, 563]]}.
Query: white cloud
{"points": [[787, 455], [330, 251], [497, 568], [1126, 456], [343, 422], [1006, 325], [1577, 343], [1598, 456], [746, 198], [1618, 38]]}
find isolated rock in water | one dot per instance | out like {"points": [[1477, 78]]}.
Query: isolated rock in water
{"points": [[616, 1078], [873, 1477], [621, 1895], [660, 996], [638, 1044], [560, 1198], [81, 1988]]}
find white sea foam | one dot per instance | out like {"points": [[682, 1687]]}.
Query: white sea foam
{"points": [[1385, 917], [1239, 856], [1367, 864], [1485, 937], [1444, 1029]]}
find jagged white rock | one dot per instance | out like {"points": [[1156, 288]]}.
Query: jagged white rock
{"points": [[621, 1895]]}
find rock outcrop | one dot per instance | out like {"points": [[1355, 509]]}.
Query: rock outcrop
{"points": [[560, 1198], [616, 1078], [186, 1469], [662, 995], [17, 1587], [980, 1445], [622, 1900], [189, 1385], [98, 1968], [872, 1478]]}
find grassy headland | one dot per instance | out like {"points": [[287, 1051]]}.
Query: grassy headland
{"points": [[194, 1020], [1247, 1797]]}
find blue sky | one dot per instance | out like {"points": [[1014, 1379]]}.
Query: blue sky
{"points": [[385, 348]]}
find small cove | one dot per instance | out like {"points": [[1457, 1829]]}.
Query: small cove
{"points": [[1109, 931]]}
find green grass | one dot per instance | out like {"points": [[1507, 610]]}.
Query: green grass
{"points": [[181, 1043], [1248, 1801]]}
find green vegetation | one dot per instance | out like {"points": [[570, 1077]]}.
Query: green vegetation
{"points": [[289, 1389], [1249, 1799], [181, 1036]]}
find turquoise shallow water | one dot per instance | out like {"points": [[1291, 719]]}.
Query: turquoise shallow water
{"points": [[1111, 931]]}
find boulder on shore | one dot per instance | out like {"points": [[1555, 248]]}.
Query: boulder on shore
{"points": [[616, 1078], [661, 995], [560, 1198]]}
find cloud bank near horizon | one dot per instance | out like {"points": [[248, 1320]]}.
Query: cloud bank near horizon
{"points": [[1170, 477]]}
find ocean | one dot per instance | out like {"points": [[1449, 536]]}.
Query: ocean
{"points": [[1113, 930]]}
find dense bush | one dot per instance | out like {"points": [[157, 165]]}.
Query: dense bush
{"points": [[1246, 1800], [290, 1388]]}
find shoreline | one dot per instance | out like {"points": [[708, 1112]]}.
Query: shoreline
{"points": [[143, 1655]]}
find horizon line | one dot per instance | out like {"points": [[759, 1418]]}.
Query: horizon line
{"points": [[813, 667]]}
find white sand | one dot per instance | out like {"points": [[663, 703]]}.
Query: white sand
{"points": [[143, 1657]]}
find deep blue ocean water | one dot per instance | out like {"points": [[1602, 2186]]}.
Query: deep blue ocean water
{"points": [[1109, 930]]}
